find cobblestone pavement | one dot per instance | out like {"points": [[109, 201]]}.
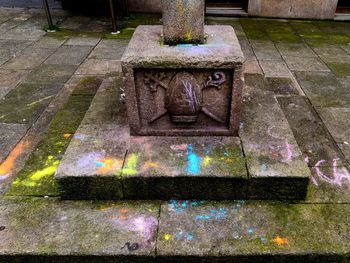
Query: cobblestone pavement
{"points": [[48, 81]]}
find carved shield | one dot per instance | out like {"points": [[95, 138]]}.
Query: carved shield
{"points": [[184, 98]]}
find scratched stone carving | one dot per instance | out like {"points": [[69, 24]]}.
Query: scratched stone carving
{"points": [[184, 95]]}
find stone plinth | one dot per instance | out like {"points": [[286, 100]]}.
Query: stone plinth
{"points": [[183, 21], [185, 89]]}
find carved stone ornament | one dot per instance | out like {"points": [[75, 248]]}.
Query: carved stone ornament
{"points": [[184, 95]]}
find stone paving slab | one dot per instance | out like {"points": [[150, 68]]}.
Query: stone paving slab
{"points": [[69, 55], [38, 226], [109, 49], [29, 58], [93, 163], [9, 80], [48, 42], [274, 160], [305, 64], [83, 40], [26, 102], [184, 168], [49, 74], [250, 231], [345, 147], [329, 184], [9, 48], [295, 50], [323, 89], [275, 69], [340, 69], [265, 50], [10, 135], [317, 146], [99, 67], [337, 120]]}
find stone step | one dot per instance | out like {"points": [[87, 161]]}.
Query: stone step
{"points": [[52, 230], [104, 162]]}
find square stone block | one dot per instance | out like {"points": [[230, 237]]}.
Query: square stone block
{"points": [[183, 90]]}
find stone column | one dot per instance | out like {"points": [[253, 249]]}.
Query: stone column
{"points": [[183, 21]]}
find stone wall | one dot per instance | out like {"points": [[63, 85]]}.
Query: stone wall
{"points": [[318, 9]]}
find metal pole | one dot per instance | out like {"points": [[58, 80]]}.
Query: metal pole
{"points": [[48, 15], [114, 21]]}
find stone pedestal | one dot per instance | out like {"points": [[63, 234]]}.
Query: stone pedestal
{"points": [[183, 90]]}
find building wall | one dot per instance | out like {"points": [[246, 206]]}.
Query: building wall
{"points": [[318, 9]]}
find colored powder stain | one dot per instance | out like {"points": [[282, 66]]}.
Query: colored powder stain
{"points": [[67, 135], [131, 163], [250, 231], [189, 237], [193, 161], [264, 167], [263, 239], [108, 165], [150, 165], [7, 166], [167, 236], [202, 217], [280, 241], [177, 206], [206, 161]]}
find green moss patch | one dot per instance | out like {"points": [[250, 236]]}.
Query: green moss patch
{"points": [[37, 176], [340, 69]]}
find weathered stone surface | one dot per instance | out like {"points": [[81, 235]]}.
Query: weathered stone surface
{"points": [[69, 55], [51, 74], [93, 163], [345, 148], [185, 168], [274, 160], [9, 80], [252, 231], [48, 227], [183, 21], [109, 49], [48, 42], [337, 121], [331, 54], [329, 184], [83, 40], [9, 48], [305, 64], [310, 133], [340, 69], [265, 50], [213, 67], [295, 50], [323, 89], [99, 67], [275, 69], [106, 108], [29, 58], [26, 102], [10, 135]]}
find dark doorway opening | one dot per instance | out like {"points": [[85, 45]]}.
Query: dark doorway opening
{"points": [[226, 7], [343, 6]]}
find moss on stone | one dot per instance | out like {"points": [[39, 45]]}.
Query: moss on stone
{"points": [[87, 85], [340, 69], [124, 33], [284, 37]]}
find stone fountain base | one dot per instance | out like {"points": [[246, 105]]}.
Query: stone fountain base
{"points": [[183, 90]]}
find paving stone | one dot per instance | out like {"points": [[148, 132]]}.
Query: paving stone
{"points": [[283, 86], [305, 64], [295, 50], [37, 226], [274, 160], [109, 49], [183, 167], [106, 108], [337, 121], [247, 49], [93, 162], [345, 148], [10, 135], [69, 55], [346, 48], [250, 231], [84, 84], [9, 48], [275, 68], [9, 80], [332, 54], [26, 102], [83, 40], [74, 22], [29, 58], [265, 50], [310, 133], [340, 69], [28, 30], [48, 42], [323, 89], [99, 67], [51, 74], [329, 185]]}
